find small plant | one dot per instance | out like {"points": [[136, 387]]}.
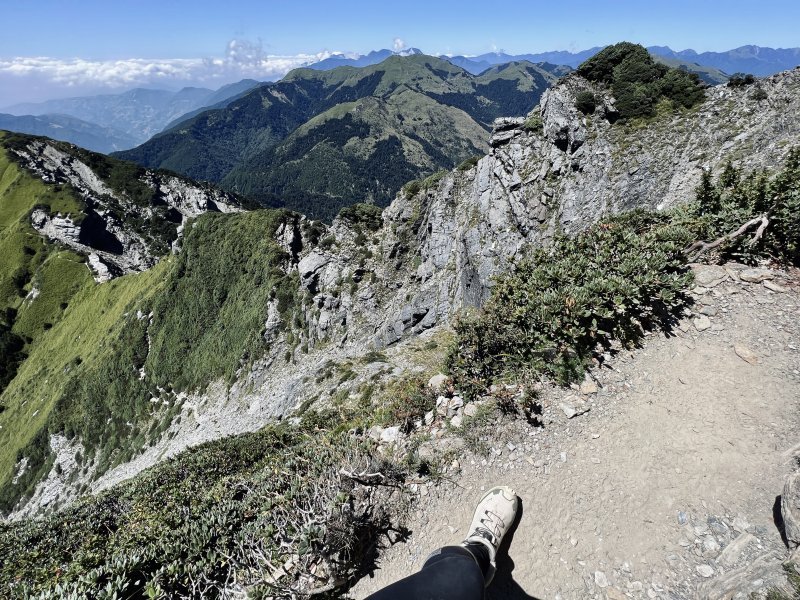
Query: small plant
{"points": [[585, 102], [412, 188], [467, 164], [534, 122]]}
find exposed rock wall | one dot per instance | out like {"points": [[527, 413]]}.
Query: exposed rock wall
{"points": [[115, 247]]}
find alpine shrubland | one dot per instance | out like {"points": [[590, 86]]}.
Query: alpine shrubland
{"points": [[638, 82], [563, 304]]}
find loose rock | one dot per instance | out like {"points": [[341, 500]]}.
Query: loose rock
{"points": [[701, 323], [705, 571], [790, 510], [600, 579], [745, 354], [756, 275]]}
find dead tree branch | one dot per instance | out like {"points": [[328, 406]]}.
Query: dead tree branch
{"points": [[699, 248]]}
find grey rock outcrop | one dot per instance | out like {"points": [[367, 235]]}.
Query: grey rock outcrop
{"points": [[105, 230]]}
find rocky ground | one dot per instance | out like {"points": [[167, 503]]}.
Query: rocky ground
{"points": [[668, 485]]}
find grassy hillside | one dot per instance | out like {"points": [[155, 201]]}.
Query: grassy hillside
{"points": [[85, 359], [192, 319], [319, 140]]}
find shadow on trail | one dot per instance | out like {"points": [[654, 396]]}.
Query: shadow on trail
{"points": [[503, 586], [777, 518]]}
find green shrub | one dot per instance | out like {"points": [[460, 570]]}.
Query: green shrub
{"points": [[534, 122], [412, 188], [431, 181], [410, 399], [559, 304], [638, 82], [759, 94], [723, 206], [741, 80], [467, 164], [11, 354], [368, 215], [585, 102]]}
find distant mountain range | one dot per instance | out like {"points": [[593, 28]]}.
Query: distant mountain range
{"points": [[138, 114], [746, 59], [321, 139], [757, 60], [70, 129]]}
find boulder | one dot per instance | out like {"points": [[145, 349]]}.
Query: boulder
{"points": [[756, 275], [790, 510]]}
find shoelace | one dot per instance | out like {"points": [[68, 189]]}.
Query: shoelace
{"points": [[492, 524]]}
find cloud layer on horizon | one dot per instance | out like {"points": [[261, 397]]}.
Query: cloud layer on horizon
{"points": [[31, 76]]}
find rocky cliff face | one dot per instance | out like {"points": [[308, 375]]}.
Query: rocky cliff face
{"points": [[113, 229], [436, 252]]}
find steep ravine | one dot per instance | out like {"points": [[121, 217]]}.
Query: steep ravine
{"points": [[371, 287]]}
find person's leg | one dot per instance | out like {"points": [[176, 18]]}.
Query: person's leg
{"points": [[450, 573], [462, 572]]}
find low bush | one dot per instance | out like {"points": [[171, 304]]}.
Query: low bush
{"points": [[741, 80], [585, 102], [467, 164], [534, 122], [724, 205], [559, 304], [366, 215]]}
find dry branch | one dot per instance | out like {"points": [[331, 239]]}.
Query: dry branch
{"points": [[699, 248]]}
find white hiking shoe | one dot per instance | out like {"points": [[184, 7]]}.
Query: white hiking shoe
{"points": [[494, 516]]}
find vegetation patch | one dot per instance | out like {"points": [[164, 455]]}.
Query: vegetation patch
{"points": [[771, 205], [282, 511], [638, 82], [192, 319], [367, 215], [611, 282]]}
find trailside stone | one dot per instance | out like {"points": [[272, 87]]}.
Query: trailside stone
{"points": [[774, 287], [701, 322], [709, 276], [745, 354], [705, 570], [390, 435], [790, 510], [437, 383], [756, 275], [600, 579], [730, 555]]}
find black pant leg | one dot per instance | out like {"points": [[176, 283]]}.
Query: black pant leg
{"points": [[451, 573]]}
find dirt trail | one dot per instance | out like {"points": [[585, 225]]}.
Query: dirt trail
{"points": [[684, 451]]}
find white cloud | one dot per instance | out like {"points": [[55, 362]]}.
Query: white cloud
{"points": [[242, 59], [398, 44]]}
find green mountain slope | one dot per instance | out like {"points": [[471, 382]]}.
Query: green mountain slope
{"points": [[709, 75], [75, 352], [319, 140]]}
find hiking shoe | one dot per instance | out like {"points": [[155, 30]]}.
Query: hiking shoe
{"points": [[494, 516]]}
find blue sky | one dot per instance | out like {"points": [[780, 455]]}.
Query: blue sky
{"points": [[56, 48]]}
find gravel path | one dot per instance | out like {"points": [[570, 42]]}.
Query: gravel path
{"points": [[666, 487]]}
